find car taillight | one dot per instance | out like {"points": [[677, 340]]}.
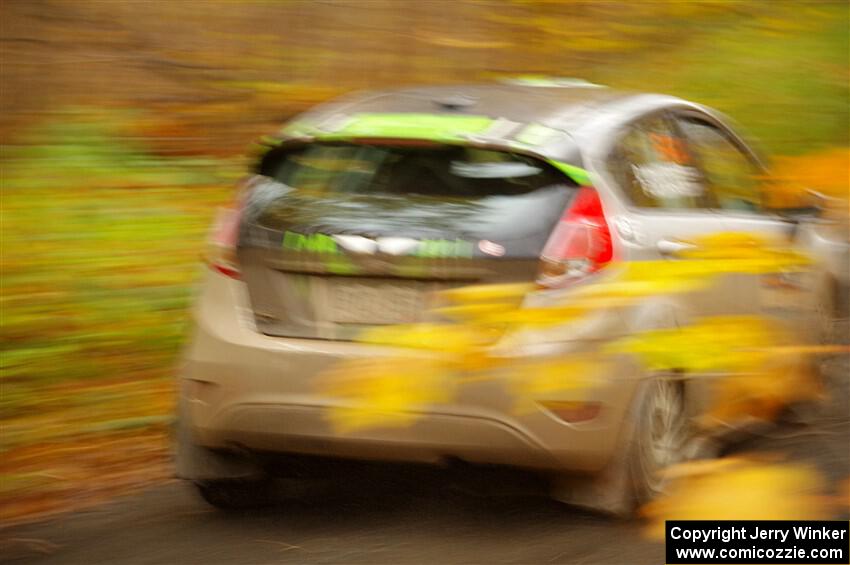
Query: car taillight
{"points": [[580, 243], [221, 247]]}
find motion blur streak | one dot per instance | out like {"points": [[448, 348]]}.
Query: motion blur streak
{"points": [[125, 126]]}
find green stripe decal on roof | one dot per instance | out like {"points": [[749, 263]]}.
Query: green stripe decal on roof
{"points": [[432, 127], [578, 174], [297, 129], [538, 134]]}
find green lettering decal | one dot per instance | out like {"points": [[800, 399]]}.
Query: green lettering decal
{"points": [[463, 248], [429, 248], [314, 243], [444, 248], [442, 128], [320, 243], [332, 260], [293, 241], [325, 244]]}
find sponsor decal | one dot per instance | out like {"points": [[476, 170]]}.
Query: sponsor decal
{"points": [[670, 148], [668, 180], [444, 248], [327, 244], [314, 242]]}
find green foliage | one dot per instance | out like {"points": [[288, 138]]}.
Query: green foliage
{"points": [[90, 147], [782, 73], [100, 247], [104, 209]]}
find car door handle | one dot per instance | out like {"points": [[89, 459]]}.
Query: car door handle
{"points": [[672, 247]]}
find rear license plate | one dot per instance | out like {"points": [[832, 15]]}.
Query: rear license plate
{"points": [[377, 301]]}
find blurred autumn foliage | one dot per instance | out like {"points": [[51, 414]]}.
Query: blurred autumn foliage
{"points": [[756, 368], [740, 488], [214, 74], [124, 123], [826, 171]]}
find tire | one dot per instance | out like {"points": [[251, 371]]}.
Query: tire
{"points": [[236, 494], [633, 476], [660, 440]]}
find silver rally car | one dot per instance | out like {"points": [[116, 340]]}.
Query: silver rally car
{"points": [[364, 206]]}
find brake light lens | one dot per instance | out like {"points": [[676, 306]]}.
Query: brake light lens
{"points": [[579, 245], [221, 246]]}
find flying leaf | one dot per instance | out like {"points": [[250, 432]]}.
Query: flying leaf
{"points": [[384, 392], [548, 378], [738, 489]]}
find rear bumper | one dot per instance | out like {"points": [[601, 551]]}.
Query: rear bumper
{"points": [[241, 388], [292, 428]]}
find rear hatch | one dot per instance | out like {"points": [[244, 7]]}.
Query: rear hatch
{"points": [[336, 238]]}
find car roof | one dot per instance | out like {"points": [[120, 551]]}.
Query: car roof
{"points": [[575, 110], [552, 106]]}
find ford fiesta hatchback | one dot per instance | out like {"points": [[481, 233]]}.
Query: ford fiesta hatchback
{"points": [[359, 210]]}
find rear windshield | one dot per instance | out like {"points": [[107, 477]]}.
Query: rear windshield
{"points": [[439, 171]]}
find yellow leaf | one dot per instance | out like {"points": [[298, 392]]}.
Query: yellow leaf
{"points": [[384, 392], [762, 394], [718, 343], [546, 379], [738, 489], [636, 288], [474, 312], [514, 292], [450, 338], [549, 316]]}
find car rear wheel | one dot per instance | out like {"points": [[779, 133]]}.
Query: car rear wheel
{"points": [[661, 438], [236, 494]]}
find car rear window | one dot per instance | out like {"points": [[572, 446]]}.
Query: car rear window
{"points": [[439, 171]]}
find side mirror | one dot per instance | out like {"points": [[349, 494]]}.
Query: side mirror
{"points": [[812, 206], [829, 208]]}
